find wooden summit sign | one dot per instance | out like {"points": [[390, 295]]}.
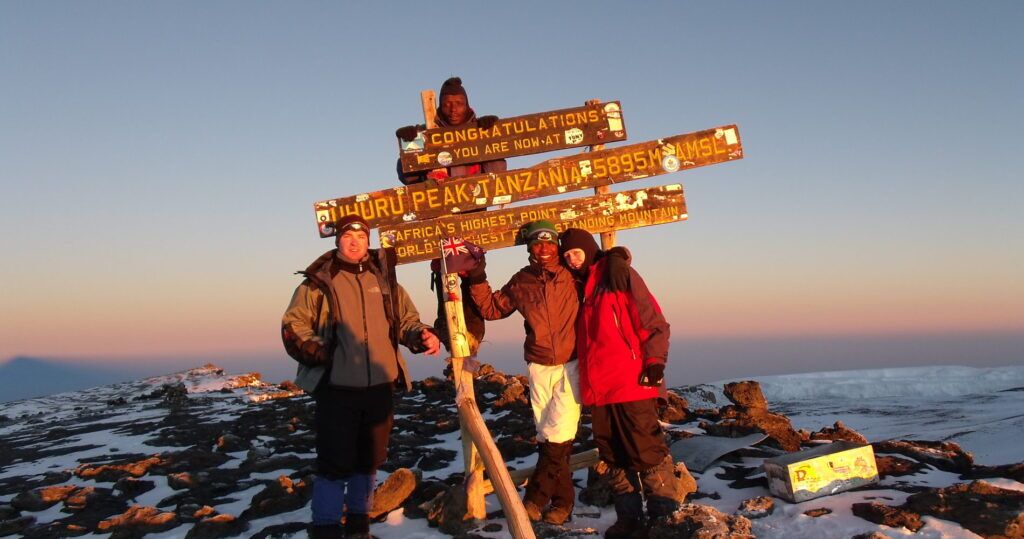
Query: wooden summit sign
{"points": [[509, 137], [428, 200], [494, 229]]}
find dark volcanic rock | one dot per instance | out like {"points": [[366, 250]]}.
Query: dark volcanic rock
{"points": [[1010, 471], [889, 466], [42, 498], [230, 443], [758, 507], [887, 515], [839, 431], [276, 531], [12, 526], [281, 496], [137, 521], [739, 422], [946, 456], [597, 492], [426, 491], [217, 526], [448, 512], [981, 507], [701, 522]]}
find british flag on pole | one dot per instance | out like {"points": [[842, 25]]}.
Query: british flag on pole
{"points": [[453, 247], [459, 255]]}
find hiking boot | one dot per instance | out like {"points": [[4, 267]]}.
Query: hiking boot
{"points": [[558, 515], [626, 528], [357, 526], [532, 511], [327, 531]]}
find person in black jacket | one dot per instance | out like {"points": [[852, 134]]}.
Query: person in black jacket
{"points": [[453, 111]]}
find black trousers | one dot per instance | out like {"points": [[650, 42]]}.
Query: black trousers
{"points": [[353, 428], [628, 434]]}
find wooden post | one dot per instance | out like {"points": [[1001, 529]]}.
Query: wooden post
{"points": [[607, 238], [471, 424], [475, 506]]}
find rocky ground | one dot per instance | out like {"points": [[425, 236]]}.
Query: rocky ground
{"points": [[201, 454]]}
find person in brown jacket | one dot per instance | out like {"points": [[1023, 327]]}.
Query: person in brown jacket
{"points": [[544, 293]]}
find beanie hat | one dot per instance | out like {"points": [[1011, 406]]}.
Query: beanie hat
{"points": [[577, 238], [540, 231], [452, 86], [352, 221]]}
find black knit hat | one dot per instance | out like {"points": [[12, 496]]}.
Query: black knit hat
{"points": [[453, 86], [577, 238], [352, 221]]}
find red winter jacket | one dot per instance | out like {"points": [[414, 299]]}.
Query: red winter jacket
{"points": [[617, 334]]}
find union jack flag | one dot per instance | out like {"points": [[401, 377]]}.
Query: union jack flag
{"points": [[453, 247]]}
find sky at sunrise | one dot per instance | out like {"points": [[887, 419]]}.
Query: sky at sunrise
{"points": [[159, 161]]}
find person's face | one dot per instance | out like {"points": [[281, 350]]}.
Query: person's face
{"points": [[545, 252], [353, 245], [575, 258], [455, 108]]}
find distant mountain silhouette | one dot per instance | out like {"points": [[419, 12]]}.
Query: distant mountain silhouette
{"points": [[28, 377]]}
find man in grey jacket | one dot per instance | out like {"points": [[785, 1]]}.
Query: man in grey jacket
{"points": [[343, 325]]}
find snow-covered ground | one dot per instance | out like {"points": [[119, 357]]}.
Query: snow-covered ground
{"points": [[980, 409]]}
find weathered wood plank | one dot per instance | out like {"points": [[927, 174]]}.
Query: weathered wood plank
{"points": [[510, 137], [501, 228], [555, 176]]}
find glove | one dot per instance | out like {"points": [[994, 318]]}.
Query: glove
{"points": [[407, 133], [486, 122], [617, 275], [652, 375], [314, 352], [479, 272]]}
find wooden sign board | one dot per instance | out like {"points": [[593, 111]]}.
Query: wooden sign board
{"points": [[509, 137], [495, 229], [562, 175]]}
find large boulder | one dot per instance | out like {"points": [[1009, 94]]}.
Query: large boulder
{"points": [[887, 515], [746, 394], [839, 431], [946, 456], [392, 493], [981, 507]]}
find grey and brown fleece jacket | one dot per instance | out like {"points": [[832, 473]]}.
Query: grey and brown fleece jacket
{"points": [[346, 321]]}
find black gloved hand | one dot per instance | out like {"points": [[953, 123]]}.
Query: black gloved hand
{"points": [[652, 375], [314, 352], [479, 272], [486, 122], [616, 276], [407, 133]]}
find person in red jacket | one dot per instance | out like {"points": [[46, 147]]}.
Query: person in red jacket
{"points": [[622, 342]]}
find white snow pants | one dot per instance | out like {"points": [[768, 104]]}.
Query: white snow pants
{"points": [[554, 395]]}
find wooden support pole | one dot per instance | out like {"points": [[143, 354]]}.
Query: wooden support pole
{"points": [[607, 238], [478, 448]]}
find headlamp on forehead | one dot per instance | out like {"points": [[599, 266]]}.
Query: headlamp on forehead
{"points": [[543, 235], [352, 222]]}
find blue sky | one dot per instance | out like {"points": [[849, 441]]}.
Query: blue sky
{"points": [[159, 161]]}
